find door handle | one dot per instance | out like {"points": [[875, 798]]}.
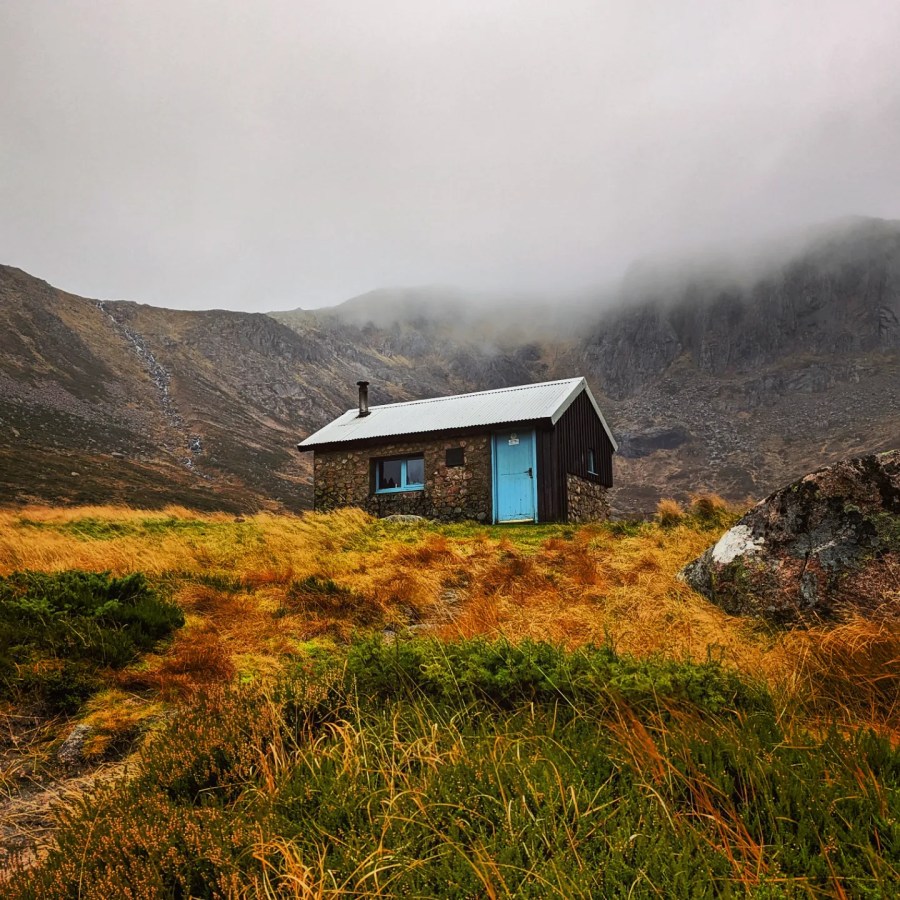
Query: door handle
{"points": [[530, 473]]}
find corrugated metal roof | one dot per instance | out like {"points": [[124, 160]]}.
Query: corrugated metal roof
{"points": [[524, 403]]}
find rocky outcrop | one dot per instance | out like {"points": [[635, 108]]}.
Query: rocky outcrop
{"points": [[823, 546], [71, 751], [636, 445], [837, 296]]}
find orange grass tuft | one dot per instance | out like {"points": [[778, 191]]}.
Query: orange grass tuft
{"points": [[200, 659], [669, 513], [852, 669], [256, 589]]}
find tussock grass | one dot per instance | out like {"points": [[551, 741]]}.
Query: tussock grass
{"points": [[669, 513], [711, 510], [693, 752]]}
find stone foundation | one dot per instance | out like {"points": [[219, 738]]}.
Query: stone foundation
{"points": [[454, 493], [588, 500]]}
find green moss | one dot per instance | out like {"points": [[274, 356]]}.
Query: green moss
{"points": [[887, 527]]}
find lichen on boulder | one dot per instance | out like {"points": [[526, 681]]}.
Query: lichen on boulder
{"points": [[814, 550]]}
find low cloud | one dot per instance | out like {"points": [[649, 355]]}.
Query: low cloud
{"points": [[274, 155]]}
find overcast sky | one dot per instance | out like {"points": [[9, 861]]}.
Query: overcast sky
{"points": [[263, 155]]}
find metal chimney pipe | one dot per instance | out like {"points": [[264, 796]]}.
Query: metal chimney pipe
{"points": [[363, 398]]}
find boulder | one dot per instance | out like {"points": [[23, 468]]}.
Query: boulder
{"points": [[823, 546], [71, 751]]}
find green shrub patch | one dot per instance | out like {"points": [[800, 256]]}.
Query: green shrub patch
{"points": [[509, 675], [489, 770], [58, 631]]}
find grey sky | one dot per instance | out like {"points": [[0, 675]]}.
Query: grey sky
{"points": [[262, 155]]}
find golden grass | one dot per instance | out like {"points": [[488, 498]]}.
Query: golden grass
{"points": [[257, 590], [115, 716], [669, 513], [711, 507]]}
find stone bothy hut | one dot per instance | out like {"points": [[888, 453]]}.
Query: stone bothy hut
{"points": [[533, 453]]}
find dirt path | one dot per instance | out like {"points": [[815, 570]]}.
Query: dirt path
{"points": [[29, 817], [35, 785]]}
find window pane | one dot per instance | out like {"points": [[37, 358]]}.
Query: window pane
{"points": [[415, 470], [389, 473]]}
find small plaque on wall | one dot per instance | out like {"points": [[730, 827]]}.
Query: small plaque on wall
{"points": [[456, 457]]}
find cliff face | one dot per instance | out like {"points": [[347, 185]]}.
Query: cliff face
{"points": [[742, 384], [837, 300], [710, 381]]}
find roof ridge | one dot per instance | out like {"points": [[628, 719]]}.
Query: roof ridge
{"points": [[515, 387]]}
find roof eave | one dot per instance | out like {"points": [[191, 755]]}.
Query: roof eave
{"points": [[579, 384], [460, 430]]}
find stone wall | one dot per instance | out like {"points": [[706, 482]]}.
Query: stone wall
{"points": [[588, 500], [455, 493]]}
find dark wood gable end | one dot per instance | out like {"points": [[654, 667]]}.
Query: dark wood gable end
{"points": [[565, 448]]}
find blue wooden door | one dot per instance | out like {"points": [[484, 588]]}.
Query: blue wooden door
{"points": [[514, 474]]}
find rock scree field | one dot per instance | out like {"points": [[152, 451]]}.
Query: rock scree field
{"points": [[205, 705]]}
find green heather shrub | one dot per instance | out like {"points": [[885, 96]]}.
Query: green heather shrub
{"points": [[59, 630], [488, 770], [507, 675]]}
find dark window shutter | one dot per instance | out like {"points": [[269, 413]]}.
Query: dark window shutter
{"points": [[456, 457]]}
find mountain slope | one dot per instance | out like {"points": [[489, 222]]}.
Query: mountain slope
{"points": [[763, 377], [734, 379], [111, 400], [103, 401]]}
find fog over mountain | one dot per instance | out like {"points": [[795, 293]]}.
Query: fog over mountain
{"points": [[710, 378], [277, 155], [664, 279]]}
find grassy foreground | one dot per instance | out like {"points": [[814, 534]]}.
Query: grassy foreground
{"points": [[569, 720]]}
